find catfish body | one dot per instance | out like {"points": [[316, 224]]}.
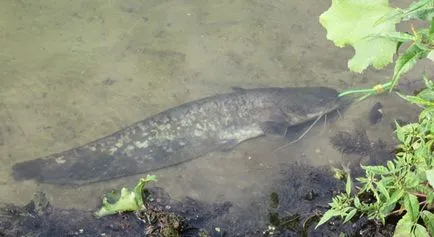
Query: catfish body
{"points": [[182, 133]]}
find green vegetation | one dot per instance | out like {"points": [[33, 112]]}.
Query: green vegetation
{"points": [[126, 200], [405, 186]]}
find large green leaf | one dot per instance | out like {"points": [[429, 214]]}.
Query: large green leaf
{"points": [[352, 22]]}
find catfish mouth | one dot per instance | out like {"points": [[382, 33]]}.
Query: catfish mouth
{"points": [[338, 104]]}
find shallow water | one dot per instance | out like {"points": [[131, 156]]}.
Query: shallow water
{"points": [[75, 71]]}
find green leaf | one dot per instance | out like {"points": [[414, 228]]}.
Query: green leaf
{"points": [[406, 62], [386, 209], [412, 180], [348, 185], [398, 194], [357, 202], [395, 15], [327, 216], [350, 215], [420, 231], [412, 206], [404, 226], [398, 46], [428, 219], [429, 83], [421, 42], [394, 36], [400, 132], [430, 198], [351, 22], [431, 55], [431, 29], [427, 94], [383, 190], [390, 165], [420, 10], [416, 100], [430, 177], [378, 169]]}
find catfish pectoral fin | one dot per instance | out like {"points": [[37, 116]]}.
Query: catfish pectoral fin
{"points": [[271, 128]]}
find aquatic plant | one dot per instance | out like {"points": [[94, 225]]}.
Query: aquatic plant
{"points": [[404, 187]]}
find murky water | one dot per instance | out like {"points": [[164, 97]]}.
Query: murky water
{"points": [[75, 71]]}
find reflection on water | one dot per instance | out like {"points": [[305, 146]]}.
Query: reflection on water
{"points": [[76, 71]]}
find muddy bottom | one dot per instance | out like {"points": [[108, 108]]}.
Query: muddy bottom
{"points": [[290, 207]]}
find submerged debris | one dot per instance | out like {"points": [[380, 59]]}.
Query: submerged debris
{"points": [[358, 143], [352, 143], [40, 219]]}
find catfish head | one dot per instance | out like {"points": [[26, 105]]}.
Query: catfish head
{"points": [[299, 105]]}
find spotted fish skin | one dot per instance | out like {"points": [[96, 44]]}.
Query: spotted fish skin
{"points": [[181, 134]]}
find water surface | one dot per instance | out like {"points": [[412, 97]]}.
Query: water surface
{"points": [[75, 71]]}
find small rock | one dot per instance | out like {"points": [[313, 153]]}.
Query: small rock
{"points": [[376, 113]]}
